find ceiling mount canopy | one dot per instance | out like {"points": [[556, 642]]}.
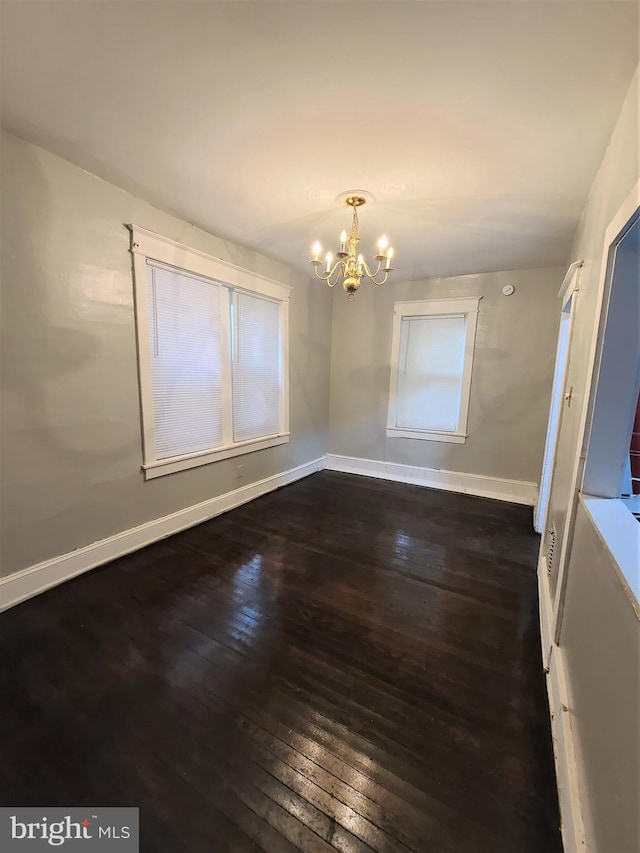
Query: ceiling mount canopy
{"points": [[350, 266]]}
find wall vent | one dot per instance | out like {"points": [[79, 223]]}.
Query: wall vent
{"points": [[551, 547]]}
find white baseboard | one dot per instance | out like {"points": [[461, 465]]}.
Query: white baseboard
{"points": [[514, 491], [571, 809], [36, 579]]}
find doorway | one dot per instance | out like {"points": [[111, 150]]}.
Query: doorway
{"points": [[567, 295]]}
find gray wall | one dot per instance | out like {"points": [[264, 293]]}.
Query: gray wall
{"points": [[71, 447], [511, 381], [601, 645], [600, 634]]}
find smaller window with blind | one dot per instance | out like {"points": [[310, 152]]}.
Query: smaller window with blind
{"points": [[431, 363], [212, 354]]}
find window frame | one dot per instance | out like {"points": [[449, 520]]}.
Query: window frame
{"points": [[148, 246], [465, 306]]}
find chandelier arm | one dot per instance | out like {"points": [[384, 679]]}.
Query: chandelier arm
{"points": [[338, 264], [386, 276], [333, 270], [368, 271], [327, 276]]}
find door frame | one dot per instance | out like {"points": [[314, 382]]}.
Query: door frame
{"points": [[566, 293]]}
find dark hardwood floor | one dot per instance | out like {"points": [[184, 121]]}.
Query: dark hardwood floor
{"points": [[344, 664]]}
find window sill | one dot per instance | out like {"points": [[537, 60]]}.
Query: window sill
{"points": [[620, 532], [193, 460], [454, 437]]}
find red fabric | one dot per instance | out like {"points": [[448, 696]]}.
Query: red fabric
{"points": [[635, 452]]}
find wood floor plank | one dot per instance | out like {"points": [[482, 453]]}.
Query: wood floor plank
{"points": [[343, 664]]}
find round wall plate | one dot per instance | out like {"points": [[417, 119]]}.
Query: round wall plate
{"points": [[508, 289]]}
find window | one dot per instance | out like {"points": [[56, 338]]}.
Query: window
{"points": [[431, 360], [212, 354]]}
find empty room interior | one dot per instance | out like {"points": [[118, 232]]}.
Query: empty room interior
{"points": [[320, 426]]}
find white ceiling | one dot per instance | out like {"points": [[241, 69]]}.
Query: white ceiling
{"points": [[476, 126]]}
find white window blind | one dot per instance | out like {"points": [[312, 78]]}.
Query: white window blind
{"points": [[256, 372], [185, 355], [212, 356], [430, 373]]}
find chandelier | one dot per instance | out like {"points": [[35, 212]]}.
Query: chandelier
{"points": [[349, 266]]}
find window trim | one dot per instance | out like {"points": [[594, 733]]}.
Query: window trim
{"points": [[464, 306], [148, 246]]}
